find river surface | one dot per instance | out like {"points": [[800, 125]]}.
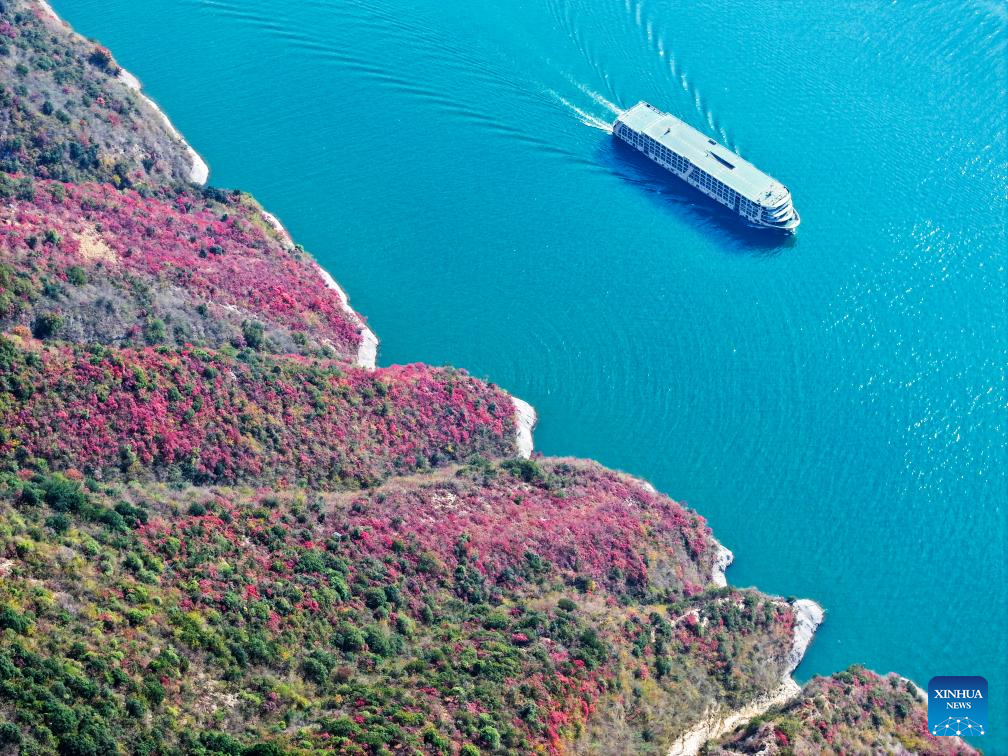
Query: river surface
{"points": [[835, 404]]}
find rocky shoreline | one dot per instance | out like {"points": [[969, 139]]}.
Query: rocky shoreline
{"points": [[525, 420], [367, 349], [808, 616], [722, 560], [605, 579], [199, 173]]}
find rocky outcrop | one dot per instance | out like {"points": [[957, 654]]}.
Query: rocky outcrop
{"points": [[525, 420], [718, 724], [808, 615], [722, 559]]}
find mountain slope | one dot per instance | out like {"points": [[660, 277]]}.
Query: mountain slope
{"points": [[69, 112], [172, 266], [501, 605], [221, 534], [855, 711]]}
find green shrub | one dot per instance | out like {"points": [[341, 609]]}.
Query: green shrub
{"points": [[197, 509], [490, 737], [135, 707], [155, 331], [526, 469], [343, 727], [902, 709], [378, 642], [77, 275], [253, 331], [591, 649], [58, 523], [25, 189], [349, 638], [153, 690], [9, 734], [221, 743], [405, 625], [438, 743], [497, 620], [60, 718], [63, 494], [310, 561], [375, 597], [11, 619], [317, 667], [47, 325], [31, 496]]}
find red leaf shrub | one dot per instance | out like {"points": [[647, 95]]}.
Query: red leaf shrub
{"points": [[205, 417], [184, 250]]}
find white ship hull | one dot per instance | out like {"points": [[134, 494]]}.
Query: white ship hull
{"points": [[708, 167]]}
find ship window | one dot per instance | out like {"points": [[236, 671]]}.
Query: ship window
{"points": [[712, 141]]}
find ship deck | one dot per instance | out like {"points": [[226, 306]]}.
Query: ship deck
{"points": [[704, 152]]}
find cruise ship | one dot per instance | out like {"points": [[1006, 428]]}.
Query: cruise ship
{"points": [[703, 163]]}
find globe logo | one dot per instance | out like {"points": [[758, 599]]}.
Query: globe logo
{"points": [[957, 706], [960, 726]]}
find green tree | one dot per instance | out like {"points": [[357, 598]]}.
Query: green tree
{"points": [[490, 737], [47, 325], [155, 331], [254, 333]]}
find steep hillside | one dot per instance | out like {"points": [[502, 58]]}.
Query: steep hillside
{"points": [[199, 416], [69, 112], [502, 606], [222, 533], [88, 263], [856, 711]]}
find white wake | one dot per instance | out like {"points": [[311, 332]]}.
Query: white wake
{"points": [[583, 115]]}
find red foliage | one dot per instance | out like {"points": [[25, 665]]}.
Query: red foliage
{"points": [[216, 418], [591, 523], [220, 252]]}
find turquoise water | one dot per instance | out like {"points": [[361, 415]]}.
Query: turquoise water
{"points": [[835, 403]]}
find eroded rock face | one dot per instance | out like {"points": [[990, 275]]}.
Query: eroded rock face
{"points": [[722, 561], [808, 616], [525, 421], [805, 619]]}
